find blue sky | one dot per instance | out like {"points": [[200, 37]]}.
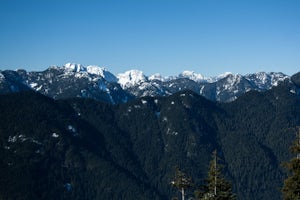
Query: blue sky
{"points": [[166, 36]]}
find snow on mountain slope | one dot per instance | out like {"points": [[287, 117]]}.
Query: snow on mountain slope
{"points": [[231, 87], [193, 76], [81, 71], [73, 67], [2, 77], [158, 77], [103, 72], [76, 80], [73, 80], [265, 81], [131, 78]]}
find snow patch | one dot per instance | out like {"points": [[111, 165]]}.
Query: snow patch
{"points": [[39, 88], [72, 130], [144, 101], [2, 76], [55, 135], [12, 139], [129, 109], [33, 85], [201, 89], [293, 91], [170, 132], [21, 138]]}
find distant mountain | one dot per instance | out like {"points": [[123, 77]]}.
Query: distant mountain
{"points": [[80, 148], [75, 80], [71, 80]]}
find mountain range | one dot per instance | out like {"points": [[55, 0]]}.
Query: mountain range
{"points": [[76, 80], [76, 132]]}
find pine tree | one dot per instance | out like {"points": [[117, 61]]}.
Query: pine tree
{"points": [[181, 181], [217, 187], [291, 187]]}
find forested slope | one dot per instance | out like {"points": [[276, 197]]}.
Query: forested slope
{"points": [[84, 149]]}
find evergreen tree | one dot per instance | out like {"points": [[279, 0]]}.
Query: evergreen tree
{"points": [[181, 181], [291, 187], [217, 187]]}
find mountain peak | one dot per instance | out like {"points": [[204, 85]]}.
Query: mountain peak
{"points": [[101, 71], [74, 67], [192, 75], [91, 70], [265, 80], [131, 78]]}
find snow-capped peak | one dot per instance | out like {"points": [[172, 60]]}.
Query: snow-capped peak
{"points": [[74, 67], [80, 71], [101, 71], [131, 78], [192, 75]]}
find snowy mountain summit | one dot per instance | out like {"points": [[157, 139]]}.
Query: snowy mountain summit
{"points": [[91, 70], [131, 78], [76, 80], [193, 76], [73, 67]]}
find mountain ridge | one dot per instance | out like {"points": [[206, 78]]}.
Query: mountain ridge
{"points": [[76, 80]]}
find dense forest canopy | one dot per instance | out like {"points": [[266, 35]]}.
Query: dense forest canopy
{"points": [[85, 149]]}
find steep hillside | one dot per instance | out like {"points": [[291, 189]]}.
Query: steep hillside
{"points": [[49, 152], [85, 149], [255, 139]]}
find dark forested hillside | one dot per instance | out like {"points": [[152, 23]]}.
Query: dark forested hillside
{"points": [[256, 138], [84, 149], [49, 152]]}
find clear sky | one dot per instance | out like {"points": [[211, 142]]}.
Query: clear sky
{"points": [[166, 36]]}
